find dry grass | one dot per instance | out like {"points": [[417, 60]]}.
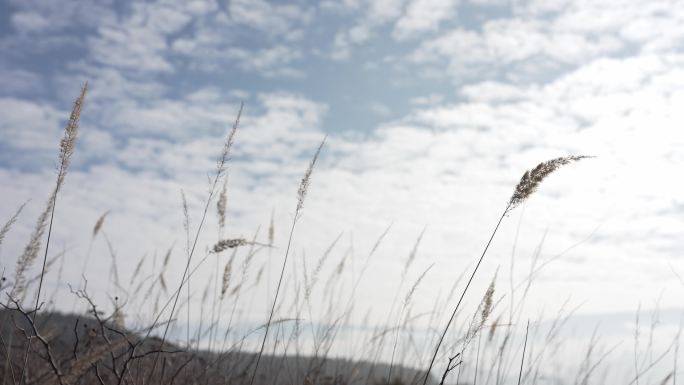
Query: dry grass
{"points": [[304, 329]]}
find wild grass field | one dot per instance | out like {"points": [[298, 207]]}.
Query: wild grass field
{"points": [[146, 333]]}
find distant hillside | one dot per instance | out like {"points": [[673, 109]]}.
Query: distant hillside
{"points": [[84, 349]]}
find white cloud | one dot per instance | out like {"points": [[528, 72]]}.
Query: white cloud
{"points": [[269, 18], [489, 3], [370, 16], [140, 41], [30, 21], [450, 163], [112, 84], [18, 81], [444, 165], [423, 16], [543, 36], [28, 126], [220, 39], [273, 61], [275, 139], [131, 49], [269, 62], [428, 100], [341, 47], [505, 43], [41, 17]]}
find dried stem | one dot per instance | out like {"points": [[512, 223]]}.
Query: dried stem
{"points": [[526, 187], [301, 194]]}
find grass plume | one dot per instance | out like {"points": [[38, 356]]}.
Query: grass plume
{"points": [[301, 195], [523, 190]]}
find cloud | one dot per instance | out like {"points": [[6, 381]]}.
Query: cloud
{"points": [[36, 17], [141, 42], [548, 79], [29, 22], [29, 131], [551, 37], [380, 109], [509, 43], [274, 61], [268, 18], [18, 81], [428, 100], [371, 15], [276, 137], [423, 16], [228, 39], [456, 157]]}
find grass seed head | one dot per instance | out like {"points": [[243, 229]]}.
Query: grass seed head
{"points": [[306, 180], [98, 224], [225, 244], [225, 281], [221, 206], [531, 180]]}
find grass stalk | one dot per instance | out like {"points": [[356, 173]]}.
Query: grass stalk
{"points": [[525, 188], [301, 194], [220, 170], [522, 361], [67, 147]]}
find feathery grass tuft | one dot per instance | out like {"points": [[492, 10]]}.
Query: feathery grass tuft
{"points": [[487, 302], [306, 180], [225, 244], [531, 179], [66, 149], [99, 223], [225, 280], [301, 194], [526, 187], [221, 205], [8, 225]]}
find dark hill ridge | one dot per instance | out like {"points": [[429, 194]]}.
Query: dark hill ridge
{"points": [[83, 349]]}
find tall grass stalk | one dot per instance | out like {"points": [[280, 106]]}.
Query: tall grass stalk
{"points": [[522, 361], [403, 314], [8, 225], [301, 195], [526, 187], [66, 149], [220, 171]]}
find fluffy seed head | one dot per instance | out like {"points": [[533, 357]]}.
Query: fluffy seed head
{"points": [[492, 328], [306, 180], [98, 224], [68, 143], [228, 144], [532, 178], [221, 206], [414, 251], [271, 230], [5, 229], [487, 301], [225, 281], [409, 295], [66, 149], [225, 244]]}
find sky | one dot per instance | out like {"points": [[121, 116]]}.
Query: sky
{"points": [[432, 110]]}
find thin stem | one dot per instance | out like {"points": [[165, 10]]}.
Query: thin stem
{"points": [[477, 357], [470, 280], [42, 275], [522, 361], [220, 169], [275, 300]]}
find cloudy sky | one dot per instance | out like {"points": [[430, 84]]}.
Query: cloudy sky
{"points": [[432, 109]]}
